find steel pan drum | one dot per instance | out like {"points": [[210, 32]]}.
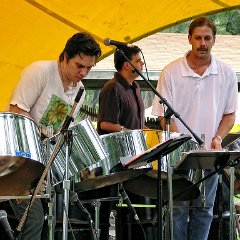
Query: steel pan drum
{"points": [[21, 155], [148, 182], [119, 147], [154, 137], [87, 159], [122, 146]]}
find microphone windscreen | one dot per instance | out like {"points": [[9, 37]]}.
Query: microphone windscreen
{"points": [[107, 41]]}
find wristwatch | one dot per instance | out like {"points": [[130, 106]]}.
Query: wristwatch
{"points": [[219, 137], [122, 128]]}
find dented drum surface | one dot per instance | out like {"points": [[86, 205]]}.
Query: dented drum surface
{"points": [[21, 154], [87, 157], [148, 181], [122, 146]]}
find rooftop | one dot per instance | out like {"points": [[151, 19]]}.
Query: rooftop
{"points": [[162, 48]]}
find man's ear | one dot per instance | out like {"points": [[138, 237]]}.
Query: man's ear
{"points": [[189, 38], [126, 65]]}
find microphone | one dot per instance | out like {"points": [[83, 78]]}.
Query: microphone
{"points": [[6, 225], [108, 42], [128, 202]]}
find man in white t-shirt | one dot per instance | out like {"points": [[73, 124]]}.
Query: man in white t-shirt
{"points": [[203, 90], [45, 93]]}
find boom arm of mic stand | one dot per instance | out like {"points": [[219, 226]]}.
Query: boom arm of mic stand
{"points": [[164, 101]]}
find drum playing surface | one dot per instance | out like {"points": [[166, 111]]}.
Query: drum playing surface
{"points": [[23, 179], [111, 179], [146, 186]]}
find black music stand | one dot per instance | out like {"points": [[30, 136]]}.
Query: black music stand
{"points": [[201, 159], [156, 152], [212, 159]]}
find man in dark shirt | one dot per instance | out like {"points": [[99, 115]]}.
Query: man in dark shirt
{"points": [[121, 108], [120, 103]]}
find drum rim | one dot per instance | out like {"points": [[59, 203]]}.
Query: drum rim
{"points": [[19, 115], [122, 132]]}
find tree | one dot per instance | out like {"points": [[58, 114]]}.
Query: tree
{"points": [[224, 22]]}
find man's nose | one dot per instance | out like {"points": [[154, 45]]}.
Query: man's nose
{"points": [[203, 42], [84, 71]]}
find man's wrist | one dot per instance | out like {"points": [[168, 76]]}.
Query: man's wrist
{"points": [[219, 138]]}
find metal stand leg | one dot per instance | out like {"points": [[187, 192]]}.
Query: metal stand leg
{"points": [[159, 203], [232, 226], [220, 207], [66, 187], [50, 220], [97, 205], [49, 189], [170, 199]]}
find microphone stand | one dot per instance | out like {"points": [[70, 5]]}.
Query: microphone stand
{"points": [[168, 113], [64, 127]]}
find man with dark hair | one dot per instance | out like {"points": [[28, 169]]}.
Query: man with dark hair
{"points": [[120, 104], [45, 93], [121, 107], [203, 90]]}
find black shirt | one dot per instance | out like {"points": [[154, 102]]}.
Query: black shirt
{"points": [[121, 103]]}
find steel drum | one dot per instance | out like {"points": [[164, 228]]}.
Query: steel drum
{"points": [[148, 181], [119, 147], [122, 146], [154, 137], [87, 159], [21, 154]]}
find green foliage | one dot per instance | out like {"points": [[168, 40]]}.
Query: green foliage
{"points": [[227, 22]]}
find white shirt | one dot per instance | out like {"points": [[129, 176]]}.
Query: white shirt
{"points": [[201, 101], [40, 92]]}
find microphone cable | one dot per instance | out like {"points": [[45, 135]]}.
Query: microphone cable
{"points": [[145, 64], [131, 209], [74, 199]]}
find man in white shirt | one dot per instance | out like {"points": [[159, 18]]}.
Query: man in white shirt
{"points": [[203, 90], [45, 93]]}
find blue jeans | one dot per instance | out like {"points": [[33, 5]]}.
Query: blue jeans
{"points": [[35, 220], [194, 224]]}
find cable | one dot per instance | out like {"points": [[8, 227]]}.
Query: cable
{"points": [[74, 199], [131, 209], [145, 64]]}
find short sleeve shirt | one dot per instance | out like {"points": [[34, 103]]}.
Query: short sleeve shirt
{"points": [[121, 103], [201, 101]]}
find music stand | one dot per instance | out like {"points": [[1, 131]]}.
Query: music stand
{"points": [[217, 160], [158, 151]]}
